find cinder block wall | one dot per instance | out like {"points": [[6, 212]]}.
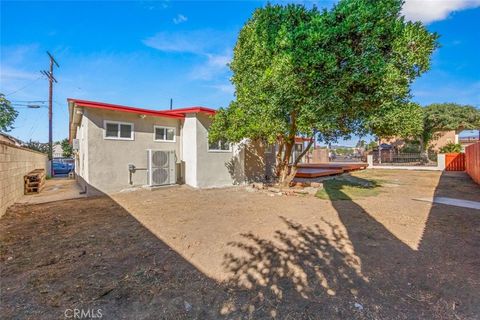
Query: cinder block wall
{"points": [[15, 162]]}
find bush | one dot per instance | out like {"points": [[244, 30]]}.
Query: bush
{"points": [[451, 148], [411, 147]]}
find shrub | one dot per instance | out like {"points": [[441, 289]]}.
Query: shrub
{"points": [[451, 148]]}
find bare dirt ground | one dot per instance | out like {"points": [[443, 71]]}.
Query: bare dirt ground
{"points": [[178, 253]]}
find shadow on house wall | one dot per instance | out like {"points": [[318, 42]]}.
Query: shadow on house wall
{"points": [[252, 163]]}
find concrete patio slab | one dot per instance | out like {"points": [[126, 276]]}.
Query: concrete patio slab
{"points": [[55, 190], [452, 202]]}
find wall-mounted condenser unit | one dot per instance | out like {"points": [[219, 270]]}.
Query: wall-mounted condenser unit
{"points": [[161, 167]]}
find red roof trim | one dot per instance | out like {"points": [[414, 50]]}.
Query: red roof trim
{"points": [[193, 110], [116, 107]]}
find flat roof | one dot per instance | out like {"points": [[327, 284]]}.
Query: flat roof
{"points": [[174, 113]]}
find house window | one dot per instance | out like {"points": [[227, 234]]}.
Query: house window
{"points": [[118, 130], [164, 134], [219, 146]]}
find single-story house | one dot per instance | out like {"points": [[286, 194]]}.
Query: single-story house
{"points": [[118, 147]]}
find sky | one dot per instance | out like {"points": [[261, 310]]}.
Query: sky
{"points": [[143, 53]]}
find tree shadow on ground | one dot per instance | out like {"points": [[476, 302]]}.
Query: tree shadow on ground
{"points": [[365, 272], [91, 253], [302, 273]]}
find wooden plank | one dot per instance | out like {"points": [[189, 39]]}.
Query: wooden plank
{"points": [[316, 172], [455, 162], [472, 161], [34, 181], [342, 166]]}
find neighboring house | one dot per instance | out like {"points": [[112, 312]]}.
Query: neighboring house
{"points": [[468, 140], [9, 139], [119, 147], [440, 139], [443, 138], [57, 151]]}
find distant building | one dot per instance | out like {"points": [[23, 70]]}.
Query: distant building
{"points": [[440, 139], [57, 151]]}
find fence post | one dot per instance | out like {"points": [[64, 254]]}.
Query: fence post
{"points": [[370, 160], [441, 161]]}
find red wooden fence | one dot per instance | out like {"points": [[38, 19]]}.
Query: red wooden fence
{"points": [[455, 161], [472, 161]]}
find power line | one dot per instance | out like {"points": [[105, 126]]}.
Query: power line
{"points": [[51, 79], [30, 106], [28, 101], [25, 86]]}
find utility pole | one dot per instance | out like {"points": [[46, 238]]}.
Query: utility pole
{"points": [[51, 79]]}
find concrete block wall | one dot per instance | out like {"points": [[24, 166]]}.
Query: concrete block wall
{"points": [[15, 162]]}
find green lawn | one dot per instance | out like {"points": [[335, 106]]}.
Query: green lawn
{"points": [[348, 188]]}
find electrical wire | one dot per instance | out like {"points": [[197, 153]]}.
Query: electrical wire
{"points": [[25, 86], [28, 101]]}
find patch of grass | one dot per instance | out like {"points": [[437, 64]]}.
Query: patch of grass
{"points": [[348, 188]]}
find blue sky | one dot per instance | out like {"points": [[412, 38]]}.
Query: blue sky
{"points": [[144, 53]]}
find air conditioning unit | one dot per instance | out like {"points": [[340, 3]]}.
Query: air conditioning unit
{"points": [[161, 167]]}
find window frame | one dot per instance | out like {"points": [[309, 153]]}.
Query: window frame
{"points": [[118, 123], [164, 127], [219, 150]]}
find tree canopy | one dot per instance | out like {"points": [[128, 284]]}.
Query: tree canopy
{"points": [[67, 148], [7, 114], [447, 116], [321, 74], [404, 121], [37, 146]]}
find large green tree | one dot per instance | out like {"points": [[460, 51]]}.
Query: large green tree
{"points": [[440, 117], [7, 114], [67, 148], [404, 120], [320, 74]]}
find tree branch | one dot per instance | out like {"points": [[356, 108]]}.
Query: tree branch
{"points": [[312, 139]]}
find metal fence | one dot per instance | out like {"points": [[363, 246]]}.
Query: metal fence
{"points": [[404, 159]]}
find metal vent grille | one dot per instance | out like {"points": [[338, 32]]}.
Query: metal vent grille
{"points": [[161, 167]]}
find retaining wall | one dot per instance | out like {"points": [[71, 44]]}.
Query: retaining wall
{"points": [[15, 162]]}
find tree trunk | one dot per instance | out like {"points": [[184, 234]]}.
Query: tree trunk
{"points": [[283, 169], [289, 172], [423, 151], [278, 161], [379, 151]]}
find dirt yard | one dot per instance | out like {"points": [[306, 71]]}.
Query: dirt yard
{"points": [[178, 253]]}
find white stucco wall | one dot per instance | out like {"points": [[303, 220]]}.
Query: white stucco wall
{"points": [[81, 156], [108, 160], [189, 149], [214, 169]]}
